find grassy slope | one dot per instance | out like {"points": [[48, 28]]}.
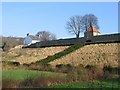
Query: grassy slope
{"points": [[23, 74], [98, 54], [60, 54], [29, 55], [95, 84], [20, 75]]}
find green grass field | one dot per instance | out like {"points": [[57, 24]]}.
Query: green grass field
{"points": [[23, 74], [95, 84]]}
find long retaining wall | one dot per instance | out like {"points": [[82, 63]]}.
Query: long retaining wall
{"points": [[71, 41], [109, 37]]}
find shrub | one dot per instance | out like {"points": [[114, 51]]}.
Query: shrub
{"points": [[63, 65], [42, 81], [16, 63], [111, 69], [65, 68], [59, 66], [43, 67], [26, 65], [8, 83], [90, 67], [11, 63], [27, 83]]}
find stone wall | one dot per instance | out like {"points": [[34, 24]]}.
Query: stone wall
{"points": [[109, 37], [71, 41]]}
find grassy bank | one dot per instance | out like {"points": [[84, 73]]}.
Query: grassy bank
{"points": [[95, 84], [45, 79], [30, 79], [20, 75], [60, 54]]}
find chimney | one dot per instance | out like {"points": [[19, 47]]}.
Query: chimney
{"points": [[27, 34]]}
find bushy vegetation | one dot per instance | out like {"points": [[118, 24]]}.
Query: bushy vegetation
{"points": [[30, 78], [96, 84], [78, 77], [111, 69], [10, 42]]}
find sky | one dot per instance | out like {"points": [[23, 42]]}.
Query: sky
{"points": [[20, 18]]}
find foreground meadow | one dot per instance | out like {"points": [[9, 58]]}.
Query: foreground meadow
{"points": [[46, 79], [95, 84]]}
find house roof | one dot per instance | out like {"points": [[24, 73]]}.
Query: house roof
{"points": [[92, 29], [34, 37]]}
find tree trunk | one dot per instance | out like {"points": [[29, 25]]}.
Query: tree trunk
{"points": [[77, 36]]}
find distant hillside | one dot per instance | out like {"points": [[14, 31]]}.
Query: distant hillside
{"points": [[11, 41]]}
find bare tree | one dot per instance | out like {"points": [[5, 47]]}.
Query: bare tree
{"points": [[89, 20], [74, 25], [46, 36]]}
